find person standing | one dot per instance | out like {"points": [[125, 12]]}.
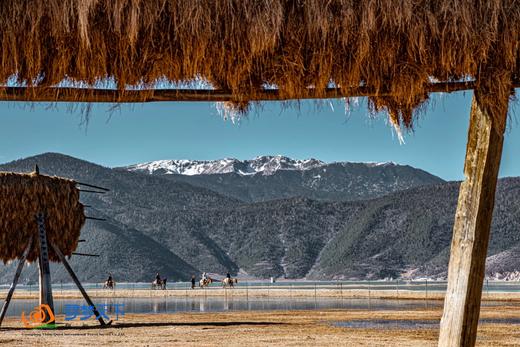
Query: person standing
{"points": [[192, 281]]}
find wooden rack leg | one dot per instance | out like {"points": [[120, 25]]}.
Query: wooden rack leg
{"points": [[15, 281], [78, 283]]}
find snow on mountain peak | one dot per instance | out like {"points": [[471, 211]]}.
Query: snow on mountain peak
{"points": [[266, 165]]}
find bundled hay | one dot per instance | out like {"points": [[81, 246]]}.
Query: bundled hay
{"points": [[22, 197], [392, 46]]}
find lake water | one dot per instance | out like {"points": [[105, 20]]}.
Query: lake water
{"points": [[181, 303], [221, 304]]}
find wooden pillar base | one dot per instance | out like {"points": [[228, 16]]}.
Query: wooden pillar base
{"points": [[471, 229]]}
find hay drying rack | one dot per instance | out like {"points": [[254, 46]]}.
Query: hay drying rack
{"points": [[45, 285]]}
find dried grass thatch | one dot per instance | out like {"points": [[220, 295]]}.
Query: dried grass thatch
{"points": [[396, 46], [22, 197]]}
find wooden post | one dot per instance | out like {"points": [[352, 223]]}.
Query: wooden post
{"points": [[43, 265], [78, 283], [472, 228], [15, 281]]}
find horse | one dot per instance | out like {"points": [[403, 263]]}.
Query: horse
{"points": [[159, 284], [229, 282], [109, 285], [205, 282]]}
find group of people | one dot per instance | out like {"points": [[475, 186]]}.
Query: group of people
{"points": [[204, 277]]}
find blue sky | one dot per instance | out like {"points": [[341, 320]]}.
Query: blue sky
{"points": [[146, 132]]}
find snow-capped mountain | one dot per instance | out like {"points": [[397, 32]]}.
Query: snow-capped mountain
{"points": [[278, 177], [265, 165]]}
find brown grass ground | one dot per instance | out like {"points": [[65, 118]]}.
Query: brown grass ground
{"points": [[256, 328]]}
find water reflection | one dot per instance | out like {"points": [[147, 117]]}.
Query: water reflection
{"points": [[219, 304]]}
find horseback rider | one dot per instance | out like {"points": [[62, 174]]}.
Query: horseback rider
{"points": [[204, 276], [158, 278], [109, 283], [228, 275]]}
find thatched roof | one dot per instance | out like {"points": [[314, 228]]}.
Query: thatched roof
{"points": [[391, 46], [22, 197]]}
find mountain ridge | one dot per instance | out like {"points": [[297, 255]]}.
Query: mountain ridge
{"points": [[265, 165], [158, 224], [277, 177]]}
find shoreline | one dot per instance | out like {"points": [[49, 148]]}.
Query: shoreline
{"points": [[259, 292]]}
